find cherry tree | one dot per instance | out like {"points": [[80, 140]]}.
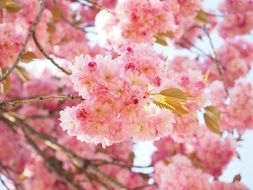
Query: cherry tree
{"points": [[72, 125]]}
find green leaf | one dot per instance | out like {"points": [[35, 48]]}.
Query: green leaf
{"points": [[177, 107], [202, 17], [22, 73], [10, 5], [162, 104], [28, 56], [169, 34], [214, 111], [5, 86], [51, 28], [56, 12], [212, 119], [174, 93], [172, 99], [161, 39]]}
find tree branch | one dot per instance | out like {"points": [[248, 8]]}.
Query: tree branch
{"points": [[37, 43], [215, 59], [31, 31], [81, 163], [38, 99], [4, 184]]}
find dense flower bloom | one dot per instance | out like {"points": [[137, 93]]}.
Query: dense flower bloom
{"points": [[116, 93], [130, 95], [238, 18], [239, 101], [206, 150], [185, 73], [139, 21], [216, 185], [239, 98], [11, 41], [14, 153], [180, 174], [235, 58], [212, 153]]}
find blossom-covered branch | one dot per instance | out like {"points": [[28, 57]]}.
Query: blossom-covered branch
{"points": [[124, 89]]}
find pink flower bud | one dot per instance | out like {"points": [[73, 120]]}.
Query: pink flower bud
{"points": [[156, 81], [92, 65], [135, 100], [81, 114], [130, 66]]}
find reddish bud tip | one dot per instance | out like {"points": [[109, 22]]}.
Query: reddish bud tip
{"points": [[92, 65]]}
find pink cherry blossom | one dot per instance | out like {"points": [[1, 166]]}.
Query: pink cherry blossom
{"points": [[180, 174], [140, 21], [11, 41], [238, 18], [235, 59], [116, 92], [228, 186], [239, 101]]}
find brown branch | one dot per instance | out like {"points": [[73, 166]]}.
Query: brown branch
{"points": [[102, 175], [51, 166], [98, 162], [31, 31], [194, 46], [4, 184], [49, 141], [37, 43], [38, 99], [81, 163], [92, 3], [216, 60]]}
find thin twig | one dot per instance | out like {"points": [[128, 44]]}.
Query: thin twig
{"points": [[38, 99], [91, 3], [196, 47], [4, 184], [31, 31], [97, 162], [37, 43], [216, 60]]}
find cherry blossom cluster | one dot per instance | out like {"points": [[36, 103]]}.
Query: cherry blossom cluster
{"points": [[235, 58], [117, 103], [55, 33], [237, 18], [11, 41], [77, 130], [140, 21], [207, 151], [180, 173], [24, 166], [233, 118]]}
